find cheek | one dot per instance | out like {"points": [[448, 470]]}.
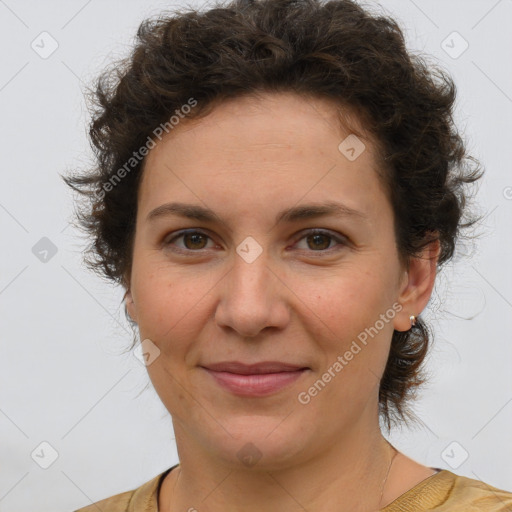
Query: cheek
{"points": [[161, 305], [353, 320], [173, 307], [348, 302], [355, 345]]}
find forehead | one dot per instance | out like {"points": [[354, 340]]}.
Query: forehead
{"points": [[263, 149], [269, 119]]}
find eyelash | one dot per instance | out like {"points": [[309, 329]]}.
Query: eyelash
{"points": [[341, 239]]}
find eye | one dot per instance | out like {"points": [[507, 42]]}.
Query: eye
{"points": [[193, 240], [318, 240]]}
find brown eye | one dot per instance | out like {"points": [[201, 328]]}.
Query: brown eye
{"points": [[192, 241], [322, 241], [318, 241]]}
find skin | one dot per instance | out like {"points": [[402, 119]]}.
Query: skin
{"points": [[302, 301]]}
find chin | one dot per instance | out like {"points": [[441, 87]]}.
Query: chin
{"points": [[259, 443]]}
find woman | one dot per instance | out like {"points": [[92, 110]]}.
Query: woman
{"points": [[277, 184]]}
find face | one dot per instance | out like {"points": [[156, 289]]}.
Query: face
{"points": [[267, 277]]}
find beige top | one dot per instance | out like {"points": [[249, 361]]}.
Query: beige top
{"points": [[442, 492]]}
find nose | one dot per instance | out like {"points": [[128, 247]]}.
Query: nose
{"points": [[253, 297]]}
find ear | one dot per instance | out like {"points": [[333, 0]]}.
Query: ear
{"points": [[130, 305], [416, 285]]}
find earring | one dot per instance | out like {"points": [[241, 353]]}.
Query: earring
{"points": [[412, 318]]}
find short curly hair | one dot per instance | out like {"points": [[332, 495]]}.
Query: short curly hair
{"points": [[335, 50]]}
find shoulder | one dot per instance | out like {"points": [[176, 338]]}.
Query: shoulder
{"points": [[445, 492], [479, 495], [141, 499], [117, 503]]}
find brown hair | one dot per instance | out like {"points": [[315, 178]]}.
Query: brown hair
{"points": [[334, 49]]}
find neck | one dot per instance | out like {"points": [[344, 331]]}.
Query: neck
{"points": [[348, 476]]}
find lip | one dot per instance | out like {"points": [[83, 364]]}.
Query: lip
{"points": [[254, 380]]}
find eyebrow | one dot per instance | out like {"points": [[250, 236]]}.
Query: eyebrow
{"points": [[293, 214]]}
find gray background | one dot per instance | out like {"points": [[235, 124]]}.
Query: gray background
{"points": [[63, 377]]}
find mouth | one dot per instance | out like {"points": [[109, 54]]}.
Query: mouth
{"points": [[254, 380]]}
